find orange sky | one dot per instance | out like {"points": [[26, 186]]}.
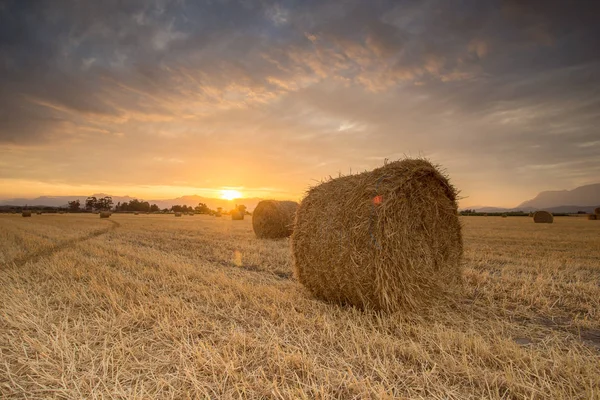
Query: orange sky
{"points": [[163, 99]]}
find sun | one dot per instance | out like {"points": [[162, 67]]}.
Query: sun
{"points": [[230, 194]]}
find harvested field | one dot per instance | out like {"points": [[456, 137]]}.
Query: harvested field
{"points": [[158, 307]]}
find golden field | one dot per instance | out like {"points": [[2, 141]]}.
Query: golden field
{"points": [[153, 307]]}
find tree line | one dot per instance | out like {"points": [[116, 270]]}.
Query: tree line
{"points": [[106, 204]]}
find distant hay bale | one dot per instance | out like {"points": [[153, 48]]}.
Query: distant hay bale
{"points": [[61, 212], [105, 214], [237, 216], [504, 216], [191, 214], [178, 214], [388, 239], [592, 217], [38, 213], [136, 213], [543, 217], [217, 214], [26, 213], [274, 219], [597, 211]]}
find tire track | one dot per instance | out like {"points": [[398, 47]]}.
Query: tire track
{"points": [[48, 251]]}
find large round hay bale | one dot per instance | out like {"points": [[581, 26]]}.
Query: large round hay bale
{"points": [[273, 219], [136, 213], [26, 213], [388, 239], [237, 216], [543, 217], [105, 214], [597, 211], [178, 214], [592, 217]]}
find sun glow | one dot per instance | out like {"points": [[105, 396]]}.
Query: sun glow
{"points": [[230, 194]]}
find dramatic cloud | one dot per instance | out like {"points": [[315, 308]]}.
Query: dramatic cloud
{"points": [[137, 94]]}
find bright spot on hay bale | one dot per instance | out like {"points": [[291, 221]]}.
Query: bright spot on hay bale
{"points": [[543, 217], [237, 258], [400, 254]]}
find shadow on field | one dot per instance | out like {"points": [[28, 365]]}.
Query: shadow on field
{"points": [[35, 256]]}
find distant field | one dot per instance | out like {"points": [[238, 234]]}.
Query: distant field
{"points": [[153, 306]]}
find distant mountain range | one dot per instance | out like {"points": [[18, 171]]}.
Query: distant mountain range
{"points": [[584, 198], [61, 201]]}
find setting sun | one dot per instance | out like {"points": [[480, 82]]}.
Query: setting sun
{"points": [[230, 194]]}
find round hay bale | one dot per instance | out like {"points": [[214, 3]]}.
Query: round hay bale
{"points": [[105, 214], [136, 213], [597, 211], [38, 213], [504, 216], [191, 214], [274, 219], [237, 216], [388, 239], [543, 217], [178, 214], [592, 217], [218, 214], [26, 213]]}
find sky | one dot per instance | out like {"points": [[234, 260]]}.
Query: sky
{"points": [[159, 99]]}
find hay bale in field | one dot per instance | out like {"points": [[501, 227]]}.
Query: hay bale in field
{"points": [[597, 211], [274, 219], [592, 217], [504, 216], [136, 213], [388, 239], [26, 213], [178, 214], [530, 214], [38, 213], [105, 214], [543, 217], [237, 216], [218, 214]]}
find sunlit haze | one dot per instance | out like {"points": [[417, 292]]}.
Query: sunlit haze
{"points": [[236, 99]]}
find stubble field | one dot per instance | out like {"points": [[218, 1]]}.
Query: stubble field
{"points": [[153, 306]]}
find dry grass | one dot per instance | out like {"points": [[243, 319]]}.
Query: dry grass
{"points": [[200, 308]]}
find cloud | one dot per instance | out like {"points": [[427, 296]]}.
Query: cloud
{"points": [[303, 86]]}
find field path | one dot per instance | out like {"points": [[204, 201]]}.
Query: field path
{"points": [[50, 250]]}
